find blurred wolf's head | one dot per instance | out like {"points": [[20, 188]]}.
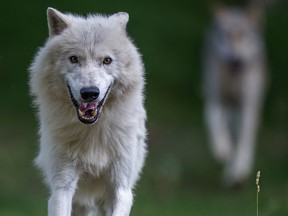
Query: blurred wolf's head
{"points": [[235, 36]]}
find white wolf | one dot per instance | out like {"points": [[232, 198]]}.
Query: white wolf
{"points": [[234, 77], [89, 72]]}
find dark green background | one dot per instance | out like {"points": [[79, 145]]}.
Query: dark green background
{"points": [[180, 176]]}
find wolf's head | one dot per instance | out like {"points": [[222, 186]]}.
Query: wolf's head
{"points": [[236, 37], [93, 56]]}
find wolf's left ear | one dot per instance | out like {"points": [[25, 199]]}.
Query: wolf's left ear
{"points": [[56, 21], [218, 10], [256, 15], [122, 18]]}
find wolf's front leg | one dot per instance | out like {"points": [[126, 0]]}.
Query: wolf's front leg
{"points": [[252, 101], [60, 203], [217, 124], [123, 202], [63, 186], [245, 152], [121, 198], [120, 203]]}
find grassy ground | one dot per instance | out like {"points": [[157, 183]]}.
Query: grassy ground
{"points": [[180, 176]]}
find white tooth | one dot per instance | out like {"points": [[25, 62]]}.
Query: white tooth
{"points": [[81, 113], [93, 113]]}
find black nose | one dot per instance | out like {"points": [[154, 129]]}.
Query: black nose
{"points": [[235, 64], [89, 93]]}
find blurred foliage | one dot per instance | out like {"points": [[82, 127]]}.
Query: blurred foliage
{"points": [[180, 177]]}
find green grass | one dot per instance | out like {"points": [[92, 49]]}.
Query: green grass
{"points": [[180, 177]]}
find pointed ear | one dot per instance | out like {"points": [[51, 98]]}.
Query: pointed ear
{"points": [[218, 10], [122, 18], [56, 21], [256, 14]]}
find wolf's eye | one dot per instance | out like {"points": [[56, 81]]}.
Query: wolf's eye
{"points": [[107, 60], [73, 59]]}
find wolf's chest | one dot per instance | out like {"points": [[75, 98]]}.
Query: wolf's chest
{"points": [[89, 151], [95, 159], [232, 85]]}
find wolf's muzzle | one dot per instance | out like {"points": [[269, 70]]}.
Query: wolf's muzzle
{"points": [[89, 108]]}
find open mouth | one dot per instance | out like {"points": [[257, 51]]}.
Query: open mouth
{"points": [[88, 112]]}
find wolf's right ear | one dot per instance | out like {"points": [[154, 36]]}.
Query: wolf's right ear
{"points": [[218, 10], [56, 21]]}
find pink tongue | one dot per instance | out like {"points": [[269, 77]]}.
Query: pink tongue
{"points": [[87, 106]]}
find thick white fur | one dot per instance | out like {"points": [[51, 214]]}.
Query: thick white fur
{"points": [[233, 101], [90, 169]]}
